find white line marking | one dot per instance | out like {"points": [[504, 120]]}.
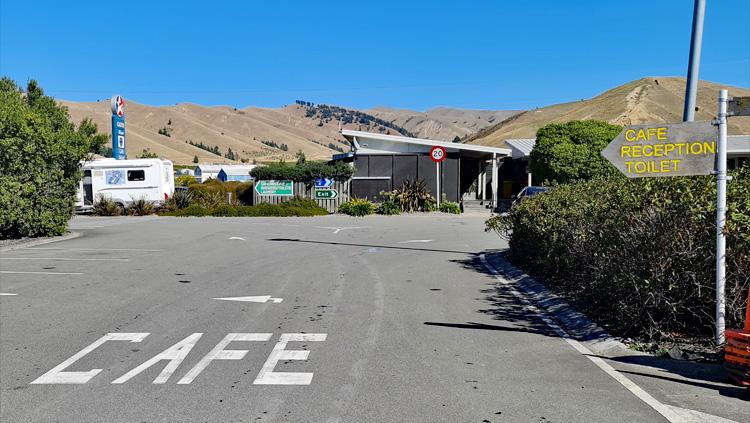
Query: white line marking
{"points": [[175, 354], [6, 294], [415, 241], [11, 272], [337, 229], [267, 376], [95, 249], [219, 353], [64, 259], [636, 390], [254, 299], [239, 238], [56, 375]]}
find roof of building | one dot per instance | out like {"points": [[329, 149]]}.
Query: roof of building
{"points": [[352, 135], [237, 169], [521, 147], [738, 145], [208, 167]]}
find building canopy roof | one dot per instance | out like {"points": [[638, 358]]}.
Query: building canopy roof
{"points": [[237, 170], [738, 145], [374, 143], [521, 147]]}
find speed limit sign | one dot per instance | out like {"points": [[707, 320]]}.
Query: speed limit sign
{"points": [[437, 154]]}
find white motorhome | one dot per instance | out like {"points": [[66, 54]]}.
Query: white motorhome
{"points": [[125, 181]]}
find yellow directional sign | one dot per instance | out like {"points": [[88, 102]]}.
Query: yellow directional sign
{"points": [[657, 150]]}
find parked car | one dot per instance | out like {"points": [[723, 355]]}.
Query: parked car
{"points": [[529, 191]]}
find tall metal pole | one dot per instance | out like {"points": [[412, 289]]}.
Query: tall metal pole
{"points": [[696, 40], [721, 216]]}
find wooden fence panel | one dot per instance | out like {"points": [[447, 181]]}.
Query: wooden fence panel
{"points": [[300, 189]]}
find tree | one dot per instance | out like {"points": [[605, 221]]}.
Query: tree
{"points": [[300, 157], [40, 155], [566, 152], [148, 154], [195, 159]]}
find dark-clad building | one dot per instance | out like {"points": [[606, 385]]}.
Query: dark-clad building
{"points": [[383, 162]]}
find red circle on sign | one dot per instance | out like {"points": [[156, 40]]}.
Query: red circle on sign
{"points": [[437, 154]]}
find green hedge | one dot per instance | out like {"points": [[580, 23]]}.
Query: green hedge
{"points": [[303, 172], [214, 192], [294, 207], [638, 255], [357, 207], [450, 207]]}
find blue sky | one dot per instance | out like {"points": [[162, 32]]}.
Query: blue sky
{"points": [[406, 54]]}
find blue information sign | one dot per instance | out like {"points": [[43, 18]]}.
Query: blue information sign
{"points": [[323, 183]]}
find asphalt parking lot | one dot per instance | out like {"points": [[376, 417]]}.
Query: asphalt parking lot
{"points": [[330, 319]]}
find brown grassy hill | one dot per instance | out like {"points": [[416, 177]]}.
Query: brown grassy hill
{"points": [[653, 99], [242, 130], [442, 123]]}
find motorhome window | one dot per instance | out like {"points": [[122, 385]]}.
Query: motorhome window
{"points": [[136, 175]]}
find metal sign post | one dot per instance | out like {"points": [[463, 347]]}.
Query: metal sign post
{"points": [[437, 154], [696, 40], [721, 217]]}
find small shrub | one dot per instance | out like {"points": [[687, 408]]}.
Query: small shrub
{"points": [[211, 199], [412, 196], [179, 200], [225, 210], [357, 207], [184, 180], [429, 205], [140, 207], [450, 207], [388, 208], [104, 206], [191, 210]]}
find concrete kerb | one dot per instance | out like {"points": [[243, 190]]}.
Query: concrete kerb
{"points": [[32, 242], [576, 324]]}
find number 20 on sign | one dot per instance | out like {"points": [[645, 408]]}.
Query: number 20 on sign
{"points": [[437, 154]]}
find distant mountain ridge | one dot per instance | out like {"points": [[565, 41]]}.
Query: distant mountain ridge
{"points": [[442, 123], [184, 131], [646, 100], [225, 134]]}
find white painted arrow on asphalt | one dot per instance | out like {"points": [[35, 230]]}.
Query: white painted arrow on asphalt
{"points": [[255, 299]]}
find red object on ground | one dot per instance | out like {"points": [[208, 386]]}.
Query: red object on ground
{"points": [[737, 351]]}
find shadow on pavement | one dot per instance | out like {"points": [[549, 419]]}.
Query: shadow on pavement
{"points": [[704, 375], [369, 245], [723, 390], [502, 305], [505, 306], [481, 326]]}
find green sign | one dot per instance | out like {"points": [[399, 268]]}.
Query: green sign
{"points": [[326, 194], [278, 188]]}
